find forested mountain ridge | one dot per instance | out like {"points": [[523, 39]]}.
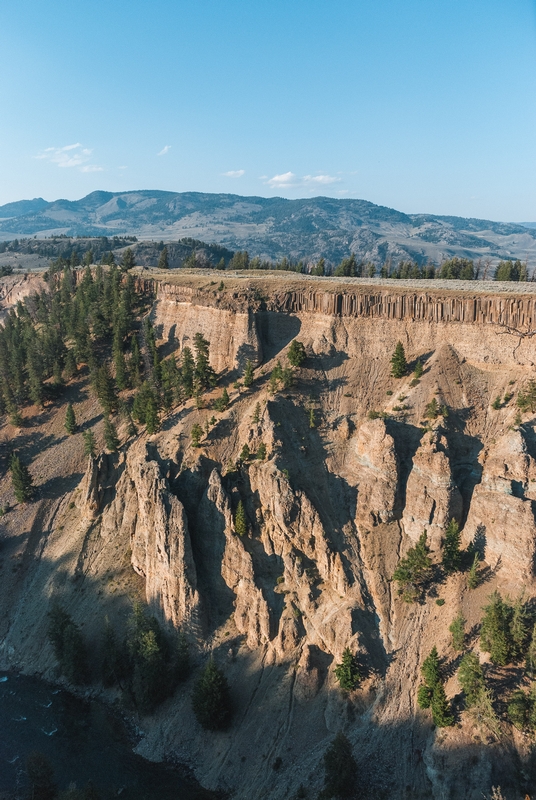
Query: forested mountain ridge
{"points": [[273, 227]]}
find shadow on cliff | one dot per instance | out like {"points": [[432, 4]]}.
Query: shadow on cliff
{"points": [[276, 331]]}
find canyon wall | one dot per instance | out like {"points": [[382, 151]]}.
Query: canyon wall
{"points": [[354, 472]]}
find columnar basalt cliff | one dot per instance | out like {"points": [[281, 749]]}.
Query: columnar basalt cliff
{"points": [[353, 468]]}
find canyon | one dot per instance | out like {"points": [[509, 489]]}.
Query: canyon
{"points": [[354, 473]]}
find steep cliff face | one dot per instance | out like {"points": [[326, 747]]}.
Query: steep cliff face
{"points": [[339, 497]]}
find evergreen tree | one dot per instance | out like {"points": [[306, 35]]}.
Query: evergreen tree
{"points": [[248, 374], [340, 769], [21, 479], [530, 661], [68, 644], [187, 372], [457, 630], [70, 420], [518, 709], [441, 712], [127, 262], [90, 443], [245, 453], [431, 669], [399, 365], [70, 367], [110, 435], [257, 413], [495, 636], [221, 403], [196, 434], [519, 630], [471, 677], [261, 452], [451, 548], [163, 261], [211, 701], [413, 570], [473, 575], [204, 375], [135, 363], [105, 389], [240, 521], [418, 371], [152, 670], [347, 672], [296, 353]]}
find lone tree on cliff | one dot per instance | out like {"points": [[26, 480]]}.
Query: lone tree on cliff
{"points": [[21, 479], [347, 672], [296, 353], [399, 365]]}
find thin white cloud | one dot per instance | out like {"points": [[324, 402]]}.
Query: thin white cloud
{"points": [[165, 150], [234, 173], [122, 167], [283, 181], [320, 179], [69, 156], [288, 180]]}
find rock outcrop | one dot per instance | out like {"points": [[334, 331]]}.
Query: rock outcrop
{"points": [[432, 496], [501, 521]]}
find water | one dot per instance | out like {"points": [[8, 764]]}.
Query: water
{"points": [[83, 741]]}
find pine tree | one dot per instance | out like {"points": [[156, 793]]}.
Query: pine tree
{"points": [[90, 443], [257, 413], [196, 434], [110, 435], [430, 669], [471, 677], [204, 375], [241, 525], [347, 672], [70, 420], [105, 389], [441, 712], [296, 353], [163, 261], [399, 365], [261, 452], [495, 637], [127, 262], [413, 570], [457, 630], [473, 578], [530, 661], [519, 630], [245, 453], [418, 371], [211, 701], [518, 709], [248, 374], [70, 367], [21, 479], [451, 548], [340, 769]]}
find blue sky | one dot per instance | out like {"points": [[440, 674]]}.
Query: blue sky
{"points": [[421, 105]]}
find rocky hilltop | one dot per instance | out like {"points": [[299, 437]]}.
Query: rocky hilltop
{"points": [[355, 470]]}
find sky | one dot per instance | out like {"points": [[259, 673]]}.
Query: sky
{"points": [[419, 105]]}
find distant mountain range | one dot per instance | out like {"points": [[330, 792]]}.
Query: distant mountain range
{"points": [[273, 227]]}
